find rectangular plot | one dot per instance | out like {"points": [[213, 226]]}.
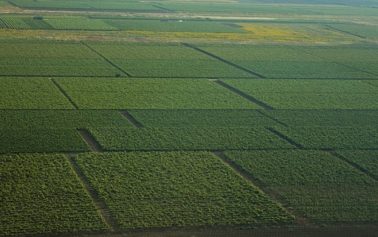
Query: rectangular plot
{"points": [[310, 94], [183, 189], [60, 119], [201, 118], [173, 25], [77, 23], [368, 160], [315, 184], [286, 62], [93, 93], [31, 93], [52, 59], [187, 138], [13, 22], [148, 60], [41, 140], [326, 118], [41, 194], [334, 137]]}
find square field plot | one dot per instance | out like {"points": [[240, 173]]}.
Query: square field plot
{"points": [[202, 118], [311, 94], [41, 194], [151, 60], [177, 189], [91, 93], [334, 137], [31, 93], [188, 138], [286, 62], [315, 184], [47, 58]]}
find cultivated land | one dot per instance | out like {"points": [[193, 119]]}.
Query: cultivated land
{"points": [[188, 118]]}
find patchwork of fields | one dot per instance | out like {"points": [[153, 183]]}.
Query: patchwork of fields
{"points": [[273, 129]]}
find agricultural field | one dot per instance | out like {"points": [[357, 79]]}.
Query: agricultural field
{"points": [[188, 118], [180, 186], [45, 189], [315, 184]]}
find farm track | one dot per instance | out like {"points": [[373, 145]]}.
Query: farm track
{"points": [[90, 140], [106, 59], [65, 94], [345, 32], [286, 138], [131, 119], [244, 95], [272, 118], [224, 60], [97, 201], [261, 185], [353, 164]]}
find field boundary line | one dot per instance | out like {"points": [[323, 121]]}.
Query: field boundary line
{"points": [[223, 60], [100, 205], [131, 119], [90, 140], [264, 188], [272, 118], [344, 31], [285, 138], [106, 59], [351, 163], [244, 95], [64, 93]]}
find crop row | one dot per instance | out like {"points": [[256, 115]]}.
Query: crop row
{"points": [[42, 194], [314, 184]]}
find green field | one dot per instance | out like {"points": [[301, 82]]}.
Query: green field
{"points": [[188, 118]]}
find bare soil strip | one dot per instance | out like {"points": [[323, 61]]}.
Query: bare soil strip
{"points": [[223, 60], [99, 204], [272, 118], [106, 59], [90, 140], [286, 138], [356, 166], [131, 119], [244, 95], [64, 93], [261, 185]]}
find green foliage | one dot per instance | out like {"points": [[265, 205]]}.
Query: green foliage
{"points": [[311, 94], [187, 138], [41, 140], [201, 118], [49, 58], [368, 160], [153, 60], [91, 93], [77, 23], [335, 137], [326, 118], [40, 194], [145, 190], [289, 62], [315, 184], [14, 22], [61, 119], [31, 93]]}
